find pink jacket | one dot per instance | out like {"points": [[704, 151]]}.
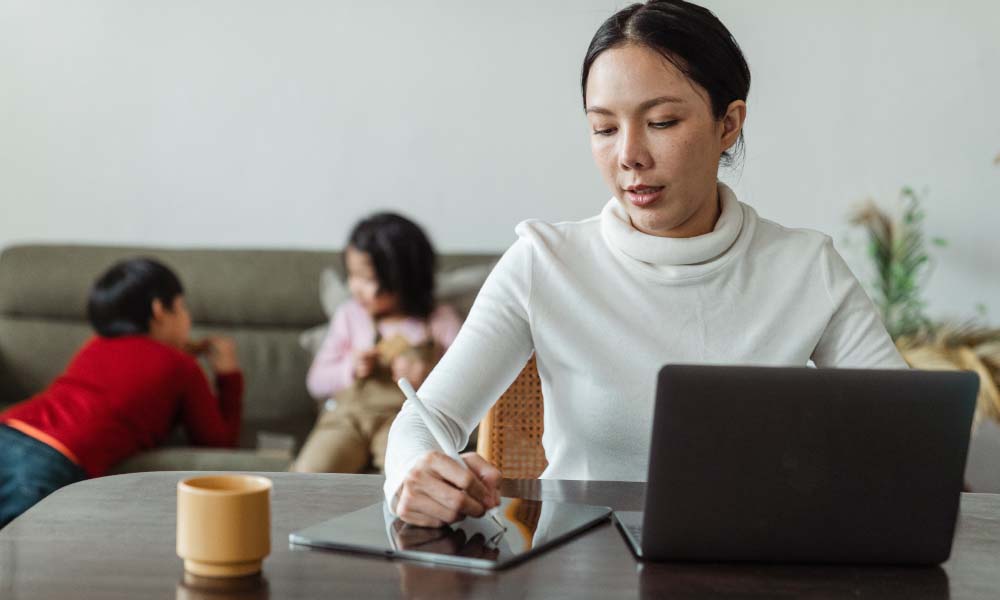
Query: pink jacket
{"points": [[353, 330]]}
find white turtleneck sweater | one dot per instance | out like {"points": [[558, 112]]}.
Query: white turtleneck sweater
{"points": [[604, 306]]}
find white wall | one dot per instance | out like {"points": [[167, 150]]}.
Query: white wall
{"points": [[255, 123]]}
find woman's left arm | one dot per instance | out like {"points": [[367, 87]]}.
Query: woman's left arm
{"points": [[855, 336]]}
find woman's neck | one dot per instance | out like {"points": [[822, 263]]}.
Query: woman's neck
{"points": [[700, 222], [726, 225], [703, 220]]}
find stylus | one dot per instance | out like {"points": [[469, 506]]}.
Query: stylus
{"points": [[440, 437]]}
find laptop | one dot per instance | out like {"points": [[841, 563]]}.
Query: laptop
{"points": [[804, 465]]}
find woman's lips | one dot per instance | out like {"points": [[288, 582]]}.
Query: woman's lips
{"points": [[643, 196]]}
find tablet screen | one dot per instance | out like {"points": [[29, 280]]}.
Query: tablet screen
{"points": [[529, 526]]}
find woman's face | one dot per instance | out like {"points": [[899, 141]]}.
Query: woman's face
{"points": [[362, 282], [656, 142]]}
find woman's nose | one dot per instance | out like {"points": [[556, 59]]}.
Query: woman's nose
{"points": [[633, 153]]}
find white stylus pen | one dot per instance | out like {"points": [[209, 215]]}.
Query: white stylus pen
{"points": [[440, 437]]}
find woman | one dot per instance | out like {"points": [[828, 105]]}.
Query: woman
{"points": [[674, 269]]}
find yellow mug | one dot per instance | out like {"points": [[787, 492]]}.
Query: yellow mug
{"points": [[223, 524]]}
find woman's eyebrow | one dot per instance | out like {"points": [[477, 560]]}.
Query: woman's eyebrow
{"points": [[648, 104], [644, 106]]}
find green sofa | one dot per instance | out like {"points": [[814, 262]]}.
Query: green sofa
{"points": [[264, 299]]}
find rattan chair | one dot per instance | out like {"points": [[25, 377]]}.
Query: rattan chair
{"points": [[510, 436]]}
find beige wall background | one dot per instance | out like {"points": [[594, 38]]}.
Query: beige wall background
{"points": [[278, 124]]}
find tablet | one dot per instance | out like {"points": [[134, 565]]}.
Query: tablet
{"points": [[531, 527]]}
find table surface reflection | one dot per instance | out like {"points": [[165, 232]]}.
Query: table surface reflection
{"points": [[114, 538]]}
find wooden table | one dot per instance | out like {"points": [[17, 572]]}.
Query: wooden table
{"points": [[114, 538]]}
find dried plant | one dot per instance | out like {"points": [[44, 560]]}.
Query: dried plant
{"points": [[896, 247], [968, 346], [901, 262]]}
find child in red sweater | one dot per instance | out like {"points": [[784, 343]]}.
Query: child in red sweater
{"points": [[122, 392]]}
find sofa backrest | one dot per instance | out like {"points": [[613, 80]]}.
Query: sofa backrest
{"points": [[263, 298]]}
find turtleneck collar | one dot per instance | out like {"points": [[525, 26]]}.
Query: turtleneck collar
{"points": [[670, 256]]}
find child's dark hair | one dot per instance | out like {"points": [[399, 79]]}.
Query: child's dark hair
{"points": [[689, 36], [121, 301], [403, 258]]}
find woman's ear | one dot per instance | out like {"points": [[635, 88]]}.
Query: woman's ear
{"points": [[732, 123]]}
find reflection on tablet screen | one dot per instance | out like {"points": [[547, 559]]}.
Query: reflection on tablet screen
{"points": [[474, 538], [530, 525]]}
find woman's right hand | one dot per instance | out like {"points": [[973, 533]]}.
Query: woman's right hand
{"points": [[438, 491]]}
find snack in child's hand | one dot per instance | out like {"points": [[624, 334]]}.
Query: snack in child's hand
{"points": [[196, 347], [389, 348]]}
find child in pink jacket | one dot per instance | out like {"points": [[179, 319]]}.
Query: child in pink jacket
{"points": [[390, 328]]}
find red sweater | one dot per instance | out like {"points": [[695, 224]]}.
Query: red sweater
{"points": [[122, 395]]}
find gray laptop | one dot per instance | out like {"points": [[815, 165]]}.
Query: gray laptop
{"points": [[804, 465]]}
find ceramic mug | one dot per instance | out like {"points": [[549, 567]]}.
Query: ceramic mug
{"points": [[223, 524]]}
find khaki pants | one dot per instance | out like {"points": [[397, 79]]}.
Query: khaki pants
{"points": [[353, 434]]}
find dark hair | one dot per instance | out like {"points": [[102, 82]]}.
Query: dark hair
{"points": [[403, 258], [692, 38], [121, 301]]}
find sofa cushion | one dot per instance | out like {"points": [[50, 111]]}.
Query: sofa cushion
{"points": [[33, 352], [222, 287]]}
